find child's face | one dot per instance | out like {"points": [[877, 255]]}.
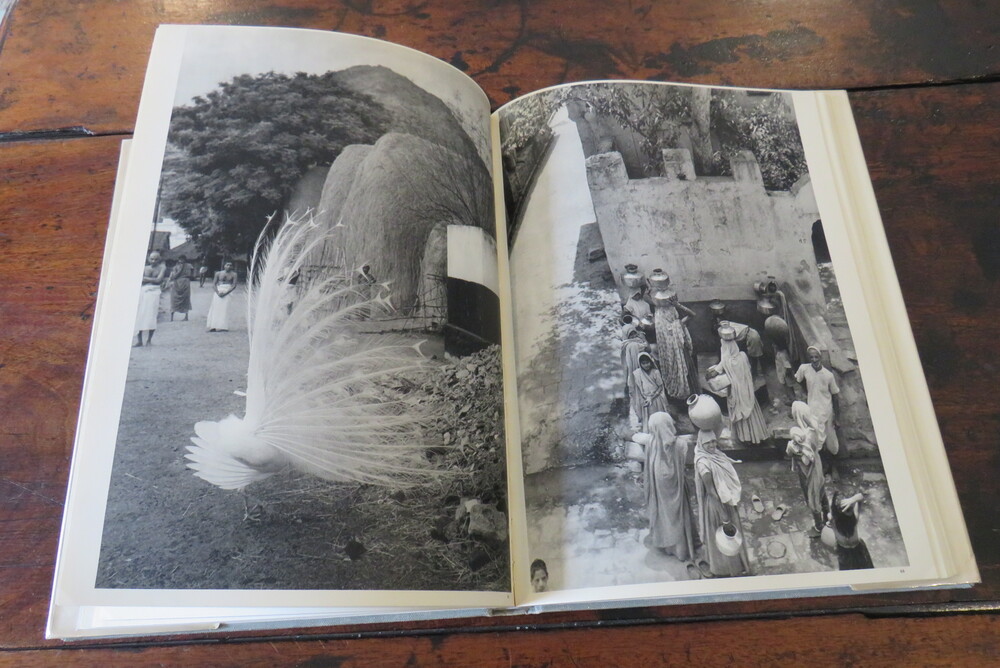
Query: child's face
{"points": [[645, 364], [539, 580]]}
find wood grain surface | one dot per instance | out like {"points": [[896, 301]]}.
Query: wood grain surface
{"points": [[927, 105]]}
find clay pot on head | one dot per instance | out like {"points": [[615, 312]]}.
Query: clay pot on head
{"points": [[777, 330], [704, 412], [727, 333], [658, 280], [633, 278], [659, 289]]}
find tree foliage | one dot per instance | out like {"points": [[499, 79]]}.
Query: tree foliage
{"points": [[662, 117], [766, 130], [235, 155], [654, 114]]}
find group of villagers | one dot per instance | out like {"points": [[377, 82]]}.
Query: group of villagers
{"points": [[660, 367], [159, 279]]}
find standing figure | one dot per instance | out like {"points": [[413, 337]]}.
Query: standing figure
{"points": [[202, 275], [718, 490], [806, 463], [153, 275], [674, 346], [821, 396], [633, 345], [366, 290], [806, 421], [180, 288], [852, 553], [671, 521], [628, 325], [748, 423], [218, 312], [641, 312], [631, 280], [750, 339], [649, 388]]}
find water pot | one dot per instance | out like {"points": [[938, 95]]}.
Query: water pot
{"points": [[704, 412], [728, 539], [659, 288], [632, 278], [777, 330]]}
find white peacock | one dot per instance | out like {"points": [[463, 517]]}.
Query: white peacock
{"points": [[318, 395]]}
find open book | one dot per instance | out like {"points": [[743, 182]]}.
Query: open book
{"points": [[365, 351]]}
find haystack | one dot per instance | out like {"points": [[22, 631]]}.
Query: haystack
{"points": [[401, 189], [414, 111]]}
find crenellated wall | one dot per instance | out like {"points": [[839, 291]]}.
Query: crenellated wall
{"points": [[714, 236]]}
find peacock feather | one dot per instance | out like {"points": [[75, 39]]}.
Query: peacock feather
{"points": [[321, 397]]}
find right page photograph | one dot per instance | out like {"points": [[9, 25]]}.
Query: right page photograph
{"points": [[692, 402]]}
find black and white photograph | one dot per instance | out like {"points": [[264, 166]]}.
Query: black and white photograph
{"points": [[692, 403], [314, 391]]}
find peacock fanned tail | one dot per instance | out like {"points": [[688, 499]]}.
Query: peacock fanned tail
{"points": [[321, 398]]}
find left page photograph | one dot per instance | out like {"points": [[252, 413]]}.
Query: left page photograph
{"points": [[294, 395]]}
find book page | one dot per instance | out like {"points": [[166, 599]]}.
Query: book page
{"points": [[704, 403], [307, 410]]}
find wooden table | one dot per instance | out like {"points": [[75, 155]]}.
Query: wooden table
{"points": [[922, 76]]}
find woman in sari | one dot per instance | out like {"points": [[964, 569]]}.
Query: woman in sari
{"points": [[633, 345], [649, 388], [744, 411], [641, 313], [180, 288], [675, 349], [718, 490], [671, 521], [806, 420], [806, 463]]}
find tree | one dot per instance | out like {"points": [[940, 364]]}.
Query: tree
{"points": [[235, 155], [768, 129]]}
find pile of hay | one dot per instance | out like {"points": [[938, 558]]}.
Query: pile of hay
{"points": [[382, 202]]}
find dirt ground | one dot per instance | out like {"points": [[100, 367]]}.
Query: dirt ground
{"points": [[165, 528]]}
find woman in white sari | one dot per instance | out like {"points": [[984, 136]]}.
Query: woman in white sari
{"points": [[744, 411], [718, 489], [806, 420]]}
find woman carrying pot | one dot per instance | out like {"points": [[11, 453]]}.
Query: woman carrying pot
{"points": [[671, 522], [718, 490], [748, 421]]}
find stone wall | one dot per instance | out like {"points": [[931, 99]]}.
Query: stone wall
{"points": [[714, 236]]}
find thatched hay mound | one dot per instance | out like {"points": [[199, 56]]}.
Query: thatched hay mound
{"points": [[402, 188], [414, 111], [330, 206], [338, 182]]}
